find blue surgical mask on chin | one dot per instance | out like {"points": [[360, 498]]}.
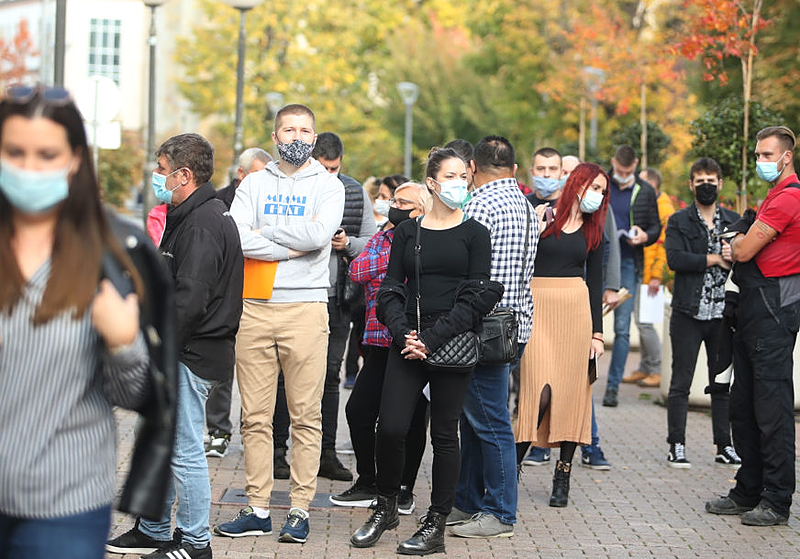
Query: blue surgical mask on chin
{"points": [[624, 181], [453, 192], [768, 170], [160, 187], [546, 186], [33, 192]]}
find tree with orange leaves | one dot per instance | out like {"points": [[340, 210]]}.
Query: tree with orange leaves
{"points": [[716, 29], [14, 55]]}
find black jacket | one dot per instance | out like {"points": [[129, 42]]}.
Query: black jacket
{"points": [[148, 478], [228, 193], [643, 213], [686, 244], [204, 253]]}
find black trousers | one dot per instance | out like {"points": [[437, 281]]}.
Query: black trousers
{"points": [[354, 346], [402, 389], [339, 324], [686, 334], [218, 408], [762, 398], [362, 413]]}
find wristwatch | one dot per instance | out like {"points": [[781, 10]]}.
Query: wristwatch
{"points": [[347, 245]]}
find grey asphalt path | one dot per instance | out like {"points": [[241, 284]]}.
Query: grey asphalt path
{"points": [[640, 508]]}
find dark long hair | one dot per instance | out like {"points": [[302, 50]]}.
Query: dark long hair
{"points": [[593, 223], [82, 232]]}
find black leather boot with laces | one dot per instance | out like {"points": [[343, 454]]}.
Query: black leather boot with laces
{"points": [[428, 539], [560, 496], [383, 518]]}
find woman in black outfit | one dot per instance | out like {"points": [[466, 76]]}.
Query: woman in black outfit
{"points": [[455, 294]]}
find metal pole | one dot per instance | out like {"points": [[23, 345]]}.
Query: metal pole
{"points": [[61, 31], [237, 130], [593, 125], [409, 123], [148, 197]]}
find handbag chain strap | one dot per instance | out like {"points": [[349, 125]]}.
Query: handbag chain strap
{"points": [[417, 249]]}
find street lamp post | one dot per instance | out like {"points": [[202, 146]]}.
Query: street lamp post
{"points": [[148, 197], [243, 6], [274, 104], [409, 93], [595, 77]]}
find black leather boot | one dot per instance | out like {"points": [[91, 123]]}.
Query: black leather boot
{"points": [[560, 496], [383, 518], [428, 539]]}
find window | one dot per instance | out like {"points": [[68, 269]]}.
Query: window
{"points": [[104, 46]]}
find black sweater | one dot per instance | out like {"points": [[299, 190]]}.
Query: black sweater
{"points": [[203, 251]]}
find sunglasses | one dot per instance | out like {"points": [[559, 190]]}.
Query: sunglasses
{"points": [[22, 94]]}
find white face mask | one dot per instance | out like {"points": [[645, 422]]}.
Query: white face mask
{"points": [[381, 207]]}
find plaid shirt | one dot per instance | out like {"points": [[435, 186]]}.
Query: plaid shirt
{"points": [[368, 269], [503, 209]]}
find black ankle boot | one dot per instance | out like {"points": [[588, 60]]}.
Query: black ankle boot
{"points": [[383, 518], [428, 539], [280, 467], [560, 496]]}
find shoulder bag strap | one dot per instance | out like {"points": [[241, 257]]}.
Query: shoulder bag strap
{"points": [[417, 249]]}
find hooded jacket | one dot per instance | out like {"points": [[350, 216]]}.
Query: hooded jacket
{"points": [[275, 212]]}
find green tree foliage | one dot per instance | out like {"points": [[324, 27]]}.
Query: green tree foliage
{"points": [[657, 141], [118, 169], [718, 134]]}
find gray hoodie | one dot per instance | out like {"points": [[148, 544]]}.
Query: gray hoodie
{"points": [[275, 213]]}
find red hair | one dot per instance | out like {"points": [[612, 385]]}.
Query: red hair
{"points": [[593, 223]]}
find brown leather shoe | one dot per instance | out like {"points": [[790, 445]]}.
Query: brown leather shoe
{"points": [[650, 381], [634, 377]]}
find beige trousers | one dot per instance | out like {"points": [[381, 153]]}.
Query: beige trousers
{"points": [[292, 337]]}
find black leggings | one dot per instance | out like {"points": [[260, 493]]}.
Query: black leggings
{"points": [[567, 450], [402, 388], [362, 413]]}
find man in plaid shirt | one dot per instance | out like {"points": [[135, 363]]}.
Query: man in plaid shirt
{"points": [[486, 496]]}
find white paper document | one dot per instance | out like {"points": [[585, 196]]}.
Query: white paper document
{"points": [[651, 307]]}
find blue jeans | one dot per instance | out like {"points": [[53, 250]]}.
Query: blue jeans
{"points": [[488, 479], [595, 437], [189, 467], [80, 536], [629, 279]]}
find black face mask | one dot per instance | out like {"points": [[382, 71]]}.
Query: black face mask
{"points": [[397, 216], [705, 193]]}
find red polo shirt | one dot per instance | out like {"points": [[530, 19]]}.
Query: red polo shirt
{"points": [[781, 211]]}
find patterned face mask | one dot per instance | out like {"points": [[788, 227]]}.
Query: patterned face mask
{"points": [[295, 153]]}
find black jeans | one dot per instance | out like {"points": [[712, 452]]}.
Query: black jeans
{"points": [[218, 408], [362, 413], [354, 346], [339, 324], [402, 388], [686, 334], [762, 399]]}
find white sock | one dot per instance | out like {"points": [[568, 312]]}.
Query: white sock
{"points": [[302, 512], [259, 512]]}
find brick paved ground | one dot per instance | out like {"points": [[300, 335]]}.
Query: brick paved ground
{"points": [[641, 508]]}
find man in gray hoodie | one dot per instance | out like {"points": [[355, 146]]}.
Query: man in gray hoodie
{"points": [[287, 214]]}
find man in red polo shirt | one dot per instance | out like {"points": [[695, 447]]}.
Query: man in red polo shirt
{"points": [[767, 271]]}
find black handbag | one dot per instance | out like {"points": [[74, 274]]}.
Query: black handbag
{"points": [[500, 329], [460, 353]]}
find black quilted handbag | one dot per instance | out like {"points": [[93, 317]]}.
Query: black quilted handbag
{"points": [[460, 353]]}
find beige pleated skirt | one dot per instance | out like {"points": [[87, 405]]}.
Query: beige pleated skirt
{"points": [[557, 354]]}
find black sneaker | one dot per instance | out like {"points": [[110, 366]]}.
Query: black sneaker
{"points": [[677, 456], [331, 468], [610, 399], [218, 447], [178, 550], [727, 506], [134, 541], [405, 500], [763, 515], [357, 496], [727, 456]]}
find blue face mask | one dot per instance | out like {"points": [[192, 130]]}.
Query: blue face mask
{"points": [[454, 192], [160, 187], [546, 186], [591, 201], [33, 192], [768, 170]]}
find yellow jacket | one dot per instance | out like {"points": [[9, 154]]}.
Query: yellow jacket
{"points": [[655, 257]]}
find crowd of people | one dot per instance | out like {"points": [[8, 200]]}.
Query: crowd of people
{"points": [[269, 279]]}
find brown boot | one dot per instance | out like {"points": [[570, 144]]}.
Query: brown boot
{"points": [[634, 377], [651, 381]]}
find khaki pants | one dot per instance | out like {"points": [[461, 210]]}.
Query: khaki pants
{"points": [[292, 337]]}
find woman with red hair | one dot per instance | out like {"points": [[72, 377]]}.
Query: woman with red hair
{"points": [[555, 400]]}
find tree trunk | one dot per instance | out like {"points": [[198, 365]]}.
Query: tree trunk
{"points": [[643, 120], [747, 82]]}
